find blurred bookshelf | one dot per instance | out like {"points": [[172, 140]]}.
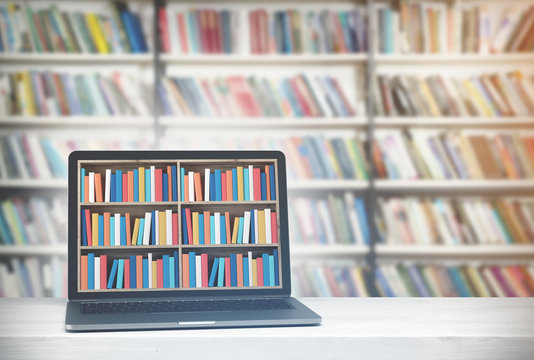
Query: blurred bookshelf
{"points": [[323, 84]]}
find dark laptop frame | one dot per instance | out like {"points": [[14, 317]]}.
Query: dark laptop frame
{"points": [[75, 156]]}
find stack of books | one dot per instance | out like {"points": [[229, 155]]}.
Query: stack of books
{"points": [[328, 280], [33, 277], [33, 93], [297, 31], [33, 221], [239, 96], [488, 95], [328, 220], [51, 30], [466, 280], [432, 154], [456, 222]]}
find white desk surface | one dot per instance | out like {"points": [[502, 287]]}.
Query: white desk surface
{"points": [[353, 328]]}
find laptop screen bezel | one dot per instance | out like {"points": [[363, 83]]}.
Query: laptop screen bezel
{"points": [[76, 156]]}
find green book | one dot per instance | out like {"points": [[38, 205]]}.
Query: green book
{"points": [[117, 7], [407, 281], [62, 27], [33, 29], [81, 22], [73, 39]]}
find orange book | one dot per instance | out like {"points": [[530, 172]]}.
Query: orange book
{"points": [[130, 186], [128, 233], [227, 220], [528, 279], [198, 187], [186, 187], [207, 233], [98, 187], [106, 228], [83, 272], [229, 186], [139, 271], [86, 188], [169, 182], [268, 181], [185, 271], [240, 270]]}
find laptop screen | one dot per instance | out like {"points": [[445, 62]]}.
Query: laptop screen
{"points": [[148, 224]]}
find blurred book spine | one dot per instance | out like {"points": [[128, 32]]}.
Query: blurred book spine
{"points": [[327, 280]]}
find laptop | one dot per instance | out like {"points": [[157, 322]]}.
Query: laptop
{"points": [[179, 239]]}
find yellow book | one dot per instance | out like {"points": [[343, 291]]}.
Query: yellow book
{"points": [[94, 229], [236, 229], [261, 226], [141, 184], [472, 164], [333, 159], [254, 273], [358, 275], [29, 108], [478, 99], [154, 274], [427, 94], [136, 232], [97, 33], [195, 228], [477, 281], [240, 192], [162, 228]]}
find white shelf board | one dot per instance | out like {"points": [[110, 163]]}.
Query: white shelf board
{"points": [[77, 120], [33, 249], [76, 58], [233, 122], [498, 185], [263, 59], [328, 185], [425, 59], [328, 250], [454, 121], [496, 250], [34, 183]]}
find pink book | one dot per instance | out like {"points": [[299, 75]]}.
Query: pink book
{"points": [[224, 191], [227, 281], [127, 273], [125, 187], [259, 272], [159, 184], [205, 275], [159, 267], [274, 228], [103, 271], [175, 229], [189, 226]]}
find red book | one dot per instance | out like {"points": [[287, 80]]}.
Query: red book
{"points": [[224, 191], [182, 32], [207, 232], [274, 228], [83, 272], [257, 183], [86, 188], [169, 182], [125, 187], [253, 26], [218, 33], [128, 230], [138, 271], [159, 266], [228, 280], [259, 272], [268, 181], [227, 220], [252, 106], [239, 261], [103, 271], [88, 227], [229, 188], [205, 275], [164, 30], [175, 229], [262, 36], [159, 184], [127, 273], [189, 226]]}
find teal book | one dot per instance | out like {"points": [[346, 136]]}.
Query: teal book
{"points": [[271, 271], [213, 272], [182, 189], [118, 180], [90, 271], [136, 184], [100, 230], [82, 189], [141, 232], [112, 231], [220, 280], [171, 272], [147, 185], [266, 281], [123, 230], [192, 270], [145, 273], [166, 271], [223, 230], [120, 274], [233, 270], [245, 272], [246, 184], [240, 230], [201, 229], [113, 274]]}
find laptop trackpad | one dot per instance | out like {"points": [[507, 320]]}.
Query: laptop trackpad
{"points": [[192, 316]]}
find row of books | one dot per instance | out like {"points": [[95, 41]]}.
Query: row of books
{"points": [[297, 96], [455, 222], [433, 154], [33, 277], [441, 27], [236, 270], [488, 95], [465, 281], [327, 280], [33, 221], [294, 31], [254, 227], [328, 220], [52, 30], [48, 93]]}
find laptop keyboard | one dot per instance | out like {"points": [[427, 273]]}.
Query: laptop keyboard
{"points": [[184, 306]]}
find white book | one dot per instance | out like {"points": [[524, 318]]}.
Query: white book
{"points": [[246, 228], [117, 230], [108, 186], [146, 231], [168, 222], [171, 100], [206, 184], [91, 187], [251, 182], [217, 228], [353, 218], [256, 226], [150, 285], [32, 265], [97, 273], [38, 155], [191, 186], [326, 221], [250, 268], [48, 283], [198, 271], [268, 237], [152, 183], [15, 146], [156, 224], [473, 221], [172, 21]]}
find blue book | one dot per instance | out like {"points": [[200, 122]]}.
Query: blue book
{"points": [[118, 179], [120, 273], [212, 229], [133, 277], [112, 231], [201, 229], [192, 270], [272, 182], [90, 271], [458, 282], [263, 183], [174, 184], [123, 230], [233, 270], [166, 271], [176, 269], [82, 183], [127, 20], [362, 217], [113, 274], [182, 189], [245, 271], [246, 188], [218, 186], [220, 280], [223, 230], [271, 270], [141, 231], [145, 273], [184, 228], [383, 284], [213, 272], [139, 33], [165, 187], [113, 188], [226, 31], [84, 229], [240, 230], [147, 186], [276, 275], [100, 230], [136, 185], [252, 227], [56, 160], [234, 184], [171, 272], [213, 195], [153, 227], [265, 258]]}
